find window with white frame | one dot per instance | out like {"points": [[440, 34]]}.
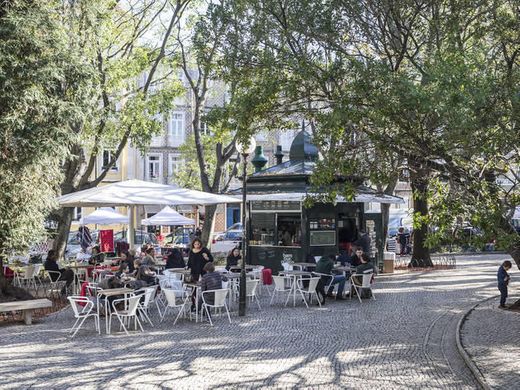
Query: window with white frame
{"points": [[153, 167], [175, 163], [176, 125], [107, 157]]}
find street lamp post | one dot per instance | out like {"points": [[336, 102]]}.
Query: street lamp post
{"points": [[245, 149]]}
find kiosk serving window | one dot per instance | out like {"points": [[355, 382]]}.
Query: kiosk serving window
{"points": [[262, 229], [276, 223], [289, 228]]}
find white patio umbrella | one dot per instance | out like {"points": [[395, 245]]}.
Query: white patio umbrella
{"points": [[137, 192], [104, 216], [168, 217]]}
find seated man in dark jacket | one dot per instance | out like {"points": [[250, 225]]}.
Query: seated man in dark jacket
{"points": [[66, 274], [325, 266], [355, 260], [365, 267], [211, 280]]}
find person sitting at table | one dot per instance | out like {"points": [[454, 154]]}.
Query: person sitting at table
{"points": [[145, 274], [124, 270], [128, 259], [211, 280], [174, 259], [66, 274], [325, 266], [355, 260], [233, 258], [96, 257], [344, 258], [198, 258], [149, 258], [365, 265]]}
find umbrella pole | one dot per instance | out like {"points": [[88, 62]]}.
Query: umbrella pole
{"points": [[131, 228]]}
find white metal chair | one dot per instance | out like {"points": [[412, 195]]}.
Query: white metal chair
{"points": [[130, 311], [149, 298], [80, 276], [282, 284], [171, 284], [219, 302], [25, 278], [171, 303], [251, 287], [258, 274], [310, 290], [56, 284], [366, 283], [82, 307], [328, 277], [173, 275], [37, 273]]}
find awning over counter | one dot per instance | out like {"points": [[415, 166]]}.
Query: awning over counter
{"points": [[300, 196]]}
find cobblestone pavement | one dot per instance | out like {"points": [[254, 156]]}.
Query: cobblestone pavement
{"points": [[492, 338], [402, 340]]}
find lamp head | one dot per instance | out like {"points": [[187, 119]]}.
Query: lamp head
{"points": [[247, 147]]}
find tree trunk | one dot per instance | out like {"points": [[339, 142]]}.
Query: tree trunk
{"points": [[419, 183], [209, 223], [60, 242]]}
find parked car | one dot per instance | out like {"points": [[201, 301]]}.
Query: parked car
{"points": [[224, 242]]}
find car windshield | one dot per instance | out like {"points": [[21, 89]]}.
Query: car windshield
{"points": [[233, 235]]}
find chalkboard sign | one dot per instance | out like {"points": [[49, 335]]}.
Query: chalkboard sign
{"points": [[275, 205], [266, 255], [323, 238]]}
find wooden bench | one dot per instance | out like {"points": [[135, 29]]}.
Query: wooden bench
{"points": [[26, 307]]}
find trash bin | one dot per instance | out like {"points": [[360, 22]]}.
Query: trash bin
{"points": [[388, 262]]}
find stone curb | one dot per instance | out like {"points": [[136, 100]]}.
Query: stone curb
{"points": [[462, 351]]}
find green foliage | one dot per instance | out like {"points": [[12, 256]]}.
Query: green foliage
{"points": [[42, 90], [430, 86]]}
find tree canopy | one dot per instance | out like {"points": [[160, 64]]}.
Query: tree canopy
{"points": [[43, 89]]}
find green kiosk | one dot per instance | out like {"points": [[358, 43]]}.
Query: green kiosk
{"points": [[282, 229]]}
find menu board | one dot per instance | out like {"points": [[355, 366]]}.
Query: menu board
{"points": [[275, 205], [323, 238]]}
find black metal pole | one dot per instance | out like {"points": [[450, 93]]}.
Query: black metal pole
{"points": [[242, 297]]}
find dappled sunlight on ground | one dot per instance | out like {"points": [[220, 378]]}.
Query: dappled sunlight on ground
{"points": [[396, 341]]}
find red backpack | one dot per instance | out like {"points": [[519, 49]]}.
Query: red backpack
{"points": [[267, 276]]}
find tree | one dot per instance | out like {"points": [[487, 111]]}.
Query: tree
{"points": [[430, 83], [136, 82], [43, 87], [209, 54]]}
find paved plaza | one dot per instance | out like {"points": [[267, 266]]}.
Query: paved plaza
{"points": [[405, 339]]}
